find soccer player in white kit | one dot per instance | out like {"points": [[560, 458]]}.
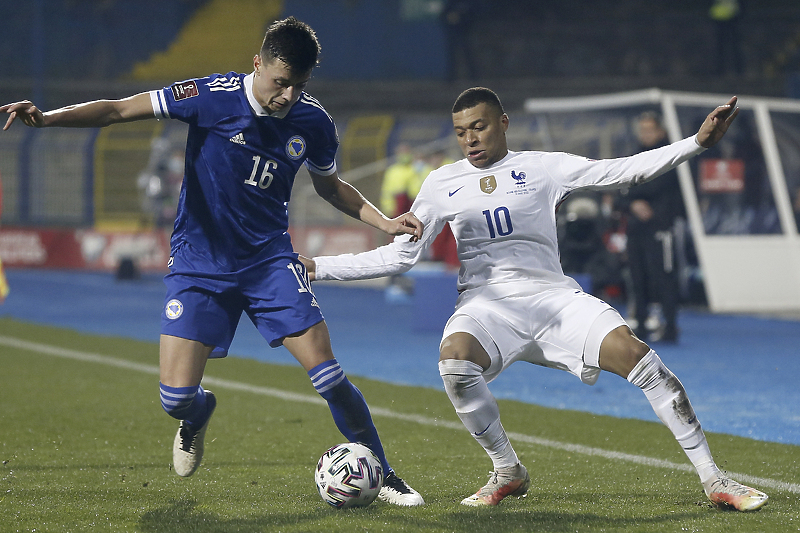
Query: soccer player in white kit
{"points": [[515, 302]]}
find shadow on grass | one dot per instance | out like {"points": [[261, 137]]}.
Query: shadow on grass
{"points": [[549, 521], [183, 516]]}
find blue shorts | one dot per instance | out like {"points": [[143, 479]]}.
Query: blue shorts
{"points": [[205, 304]]}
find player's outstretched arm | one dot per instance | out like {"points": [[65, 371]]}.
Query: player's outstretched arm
{"points": [[94, 114], [348, 200], [716, 123]]}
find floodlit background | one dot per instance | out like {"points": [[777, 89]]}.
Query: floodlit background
{"points": [[573, 76], [388, 74]]}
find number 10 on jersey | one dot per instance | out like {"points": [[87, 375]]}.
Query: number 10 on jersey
{"points": [[499, 222]]}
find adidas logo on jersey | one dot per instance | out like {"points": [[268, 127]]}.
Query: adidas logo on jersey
{"points": [[238, 138]]}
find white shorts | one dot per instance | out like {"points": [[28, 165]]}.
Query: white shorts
{"points": [[557, 328]]}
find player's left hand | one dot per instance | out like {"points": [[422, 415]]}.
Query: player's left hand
{"points": [[716, 123], [311, 266], [407, 223]]}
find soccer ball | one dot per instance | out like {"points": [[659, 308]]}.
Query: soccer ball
{"points": [[349, 475]]}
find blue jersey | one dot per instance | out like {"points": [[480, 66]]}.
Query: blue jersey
{"points": [[240, 165]]}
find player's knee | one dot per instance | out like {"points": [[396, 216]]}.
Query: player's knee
{"points": [[456, 367], [621, 350], [459, 377], [464, 347], [177, 401]]}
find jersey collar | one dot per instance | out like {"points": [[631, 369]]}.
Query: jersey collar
{"points": [[260, 111]]}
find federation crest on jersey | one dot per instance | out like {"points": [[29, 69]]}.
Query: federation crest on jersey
{"points": [[296, 147], [174, 309], [488, 184]]}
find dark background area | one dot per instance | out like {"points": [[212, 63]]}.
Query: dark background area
{"points": [[416, 54]]}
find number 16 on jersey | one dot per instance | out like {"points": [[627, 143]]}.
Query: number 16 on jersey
{"points": [[266, 176]]}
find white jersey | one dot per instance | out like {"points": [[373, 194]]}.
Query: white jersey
{"points": [[503, 216]]}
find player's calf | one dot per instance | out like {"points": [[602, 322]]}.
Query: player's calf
{"points": [[348, 407], [351, 415], [184, 403]]}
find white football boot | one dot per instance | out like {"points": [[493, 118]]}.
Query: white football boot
{"points": [[398, 492], [187, 450]]}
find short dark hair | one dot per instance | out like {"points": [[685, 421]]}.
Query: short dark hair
{"points": [[293, 42], [477, 95]]}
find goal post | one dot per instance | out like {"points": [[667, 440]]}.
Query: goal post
{"points": [[742, 197]]}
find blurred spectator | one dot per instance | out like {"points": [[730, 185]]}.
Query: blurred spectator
{"points": [[160, 182], [433, 161], [726, 15], [652, 210], [444, 247], [580, 238], [401, 182], [587, 245]]}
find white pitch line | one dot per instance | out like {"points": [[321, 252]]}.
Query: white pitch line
{"points": [[87, 357]]}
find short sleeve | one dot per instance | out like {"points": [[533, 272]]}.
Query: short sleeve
{"points": [[180, 101], [322, 154]]}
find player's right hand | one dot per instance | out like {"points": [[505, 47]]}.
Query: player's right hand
{"points": [[25, 111], [408, 224]]}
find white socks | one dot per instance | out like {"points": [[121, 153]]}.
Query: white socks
{"points": [[668, 398], [477, 409]]}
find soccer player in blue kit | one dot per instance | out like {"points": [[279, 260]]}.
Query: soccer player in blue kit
{"points": [[230, 249]]}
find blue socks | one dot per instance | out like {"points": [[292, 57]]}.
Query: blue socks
{"points": [[185, 403], [348, 407]]}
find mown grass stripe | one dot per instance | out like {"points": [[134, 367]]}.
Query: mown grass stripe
{"points": [[56, 351]]}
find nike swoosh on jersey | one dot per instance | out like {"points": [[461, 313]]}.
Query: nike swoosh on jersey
{"points": [[455, 191]]}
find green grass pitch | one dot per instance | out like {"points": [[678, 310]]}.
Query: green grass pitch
{"points": [[85, 446]]}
